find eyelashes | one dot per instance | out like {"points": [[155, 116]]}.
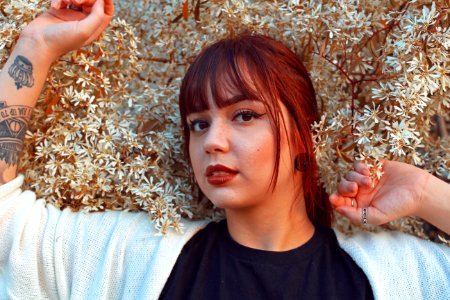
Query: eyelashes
{"points": [[247, 115], [243, 116], [198, 125]]}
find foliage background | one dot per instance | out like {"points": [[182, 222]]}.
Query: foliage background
{"points": [[105, 133]]}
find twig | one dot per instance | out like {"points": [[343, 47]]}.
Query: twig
{"points": [[337, 66], [403, 8], [442, 127], [156, 59]]}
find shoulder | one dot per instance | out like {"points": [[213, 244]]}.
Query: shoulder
{"points": [[86, 249], [384, 245], [400, 265], [92, 248], [12, 190]]}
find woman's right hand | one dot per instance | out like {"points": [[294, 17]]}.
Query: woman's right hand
{"points": [[61, 29]]}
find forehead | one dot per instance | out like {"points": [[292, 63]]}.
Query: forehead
{"points": [[228, 92], [226, 88], [227, 73]]}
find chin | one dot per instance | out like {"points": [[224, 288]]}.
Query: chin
{"points": [[221, 201], [229, 201], [234, 195]]}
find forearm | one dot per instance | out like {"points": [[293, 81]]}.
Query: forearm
{"points": [[434, 206], [21, 82]]}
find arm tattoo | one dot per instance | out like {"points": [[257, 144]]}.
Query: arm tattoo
{"points": [[22, 72], [13, 127]]}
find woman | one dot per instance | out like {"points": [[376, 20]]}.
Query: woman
{"points": [[246, 126]]}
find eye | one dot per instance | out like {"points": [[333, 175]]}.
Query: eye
{"points": [[246, 115], [198, 125]]}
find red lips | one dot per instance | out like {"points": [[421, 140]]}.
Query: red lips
{"points": [[219, 174]]}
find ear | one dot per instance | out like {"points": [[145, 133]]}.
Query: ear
{"points": [[301, 162]]}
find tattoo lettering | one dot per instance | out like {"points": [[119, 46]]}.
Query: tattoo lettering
{"points": [[22, 72], [13, 127]]}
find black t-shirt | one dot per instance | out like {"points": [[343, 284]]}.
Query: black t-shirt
{"points": [[213, 266]]}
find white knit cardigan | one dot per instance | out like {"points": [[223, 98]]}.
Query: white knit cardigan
{"points": [[46, 253]]}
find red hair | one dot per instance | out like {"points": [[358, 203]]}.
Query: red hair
{"points": [[276, 74]]}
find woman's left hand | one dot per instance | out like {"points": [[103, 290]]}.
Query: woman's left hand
{"points": [[397, 194]]}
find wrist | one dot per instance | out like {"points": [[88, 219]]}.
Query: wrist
{"points": [[33, 47], [422, 197], [434, 199]]}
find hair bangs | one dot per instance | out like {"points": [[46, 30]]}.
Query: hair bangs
{"points": [[216, 75]]}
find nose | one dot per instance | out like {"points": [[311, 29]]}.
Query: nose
{"points": [[216, 139]]}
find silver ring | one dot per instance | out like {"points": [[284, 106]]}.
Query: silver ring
{"points": [[353, 202], [74, 7], [365, 215]]}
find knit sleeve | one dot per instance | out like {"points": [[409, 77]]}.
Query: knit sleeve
{"points": [[59, 254], [22, 224], [401, 266]]}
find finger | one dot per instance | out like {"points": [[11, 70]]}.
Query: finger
{"points": [[358, 178], [109, 7], [93, 21], [347, 188], [106, 19], [67, 15], [361, 167], [73, 3], [87, 9], [88, 4], [355, 215], [61, 4], [338, 200], [350, 213], [56, 4], [85, 2]]}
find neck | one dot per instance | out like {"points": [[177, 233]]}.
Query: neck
{"points": [[273, 229]]}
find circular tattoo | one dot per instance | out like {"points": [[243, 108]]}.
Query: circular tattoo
{"points": [[21, 71]]}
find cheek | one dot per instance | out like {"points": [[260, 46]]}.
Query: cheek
{"points": [[194, 157], [259, 153]]}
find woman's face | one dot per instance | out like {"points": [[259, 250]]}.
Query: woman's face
{"points": [[233, 154]]}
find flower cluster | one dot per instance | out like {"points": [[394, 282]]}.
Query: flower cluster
{"points": [[106, 133]]}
